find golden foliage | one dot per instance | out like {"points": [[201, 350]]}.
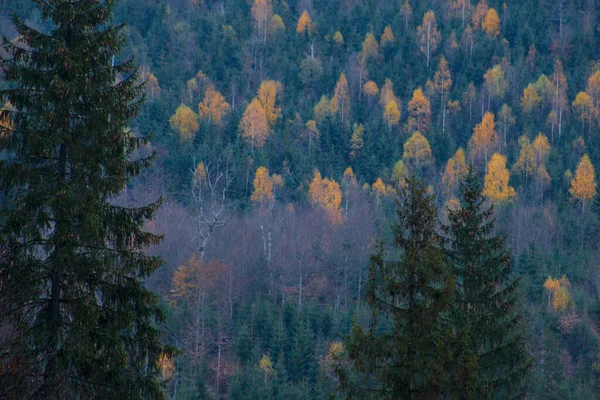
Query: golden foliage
{"points": [[387, 93], [213, 107], [583, 185], [541, 148], [558, 292], [495, 82], [370, 48], [387, 37], [276, 25], [312, 131], [6, 122], [379, 187], [254, 125], [349, 178], [304, 23], [341, 99], [584, 107], [442, 79], [527, 163], [530, 99], [152, 87], [338, 38], [371, 89], [593, 87], [491, 23], [322, 109], [428, 34], [391, 113], [194, 276], [267, 94], [166, 367], [456, 169], [417, 150], [200, 174], [263, 186], [481, 12], [496, 180], [185, 122], [419, 111], [266, 365], [327, 194], [484, 138]]}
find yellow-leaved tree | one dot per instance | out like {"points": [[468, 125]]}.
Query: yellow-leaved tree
{"points": [[496, 180], [387, 38], [584, 107], [185, 122], [583, 185], [526, 165], [267, 95], [213, 107], [417, 152], [391, 113], [419, 112], [370, 88], [340, 103], [327, 194], [254, 126], [484, 139], [530, 100], [456, 169], [263, 186], [558, 293], [495, 82], [370, 48], [541, 148], [428, 34]]}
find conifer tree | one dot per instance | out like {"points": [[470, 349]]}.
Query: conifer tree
{"points": [[405, 355], [73, 264], [487, 305]]}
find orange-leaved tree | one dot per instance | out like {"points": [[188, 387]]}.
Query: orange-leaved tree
{"points": [[484, 139], [213, 107]]}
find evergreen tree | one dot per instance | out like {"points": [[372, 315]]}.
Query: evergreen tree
{"points": [[487, 306], [72, 265], [407, 357]]}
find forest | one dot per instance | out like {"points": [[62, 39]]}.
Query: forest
{"points": [[301, 164]]}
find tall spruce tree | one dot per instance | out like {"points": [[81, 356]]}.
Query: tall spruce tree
{"points": [[405, 355], [487, 305], [72, 264]]}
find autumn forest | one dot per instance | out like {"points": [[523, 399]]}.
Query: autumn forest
{"points": [[328, 199]]}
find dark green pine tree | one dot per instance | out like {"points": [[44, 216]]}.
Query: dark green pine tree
{"points": [[72, 264], [405, 354], [487, 305]]}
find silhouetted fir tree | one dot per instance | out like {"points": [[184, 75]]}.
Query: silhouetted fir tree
{"points": [[487, 305], [404, 353], [72, 264]]}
